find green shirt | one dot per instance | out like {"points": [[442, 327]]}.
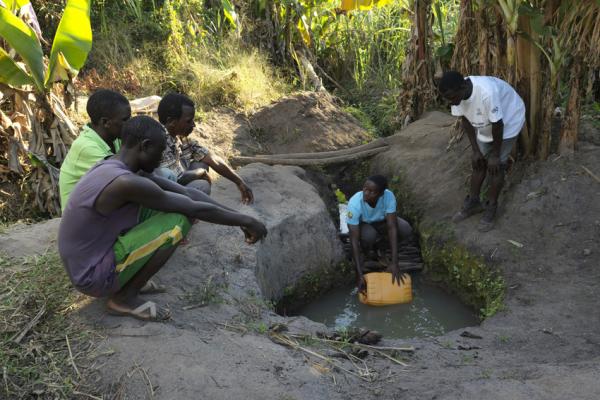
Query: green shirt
{"points": [[85, 152]]}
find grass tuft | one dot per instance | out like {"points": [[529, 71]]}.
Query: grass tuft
{"points": [[223, 73], [464, 274], [43, 349]]}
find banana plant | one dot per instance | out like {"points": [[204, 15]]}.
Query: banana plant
{"points": [[231, 15], [510, 13], [43, 131], [351, 5], [71, 45]]}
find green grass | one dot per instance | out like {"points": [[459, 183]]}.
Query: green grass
{"points": [[503, 339], [214, 71], [464, 274], [41, 364], [364, 119], [208, 292]]}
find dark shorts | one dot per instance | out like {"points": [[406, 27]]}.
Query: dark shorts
{"points": [[374, 232], [505, 150]]}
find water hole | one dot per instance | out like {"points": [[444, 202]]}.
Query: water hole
{"points": [[432, 312]]}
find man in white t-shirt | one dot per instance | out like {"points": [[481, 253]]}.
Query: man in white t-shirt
{"points": [[492, 114]]}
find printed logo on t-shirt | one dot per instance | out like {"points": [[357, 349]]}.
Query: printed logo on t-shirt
{"points": [[494, 110], [350, 214]]}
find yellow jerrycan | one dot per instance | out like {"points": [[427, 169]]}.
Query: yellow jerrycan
{"points": [[381, 291]]}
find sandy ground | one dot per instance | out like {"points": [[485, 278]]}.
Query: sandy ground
{"points": [[544, 345]]}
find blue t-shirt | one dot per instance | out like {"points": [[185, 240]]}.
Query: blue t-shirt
{"points": [[360, 211]]}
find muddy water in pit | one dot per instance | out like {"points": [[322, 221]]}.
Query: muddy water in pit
{"points": [[432, 312]]}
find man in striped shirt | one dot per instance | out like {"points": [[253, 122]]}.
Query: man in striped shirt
{"points": [[184, 160]]}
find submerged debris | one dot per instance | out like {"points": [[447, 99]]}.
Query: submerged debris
{"points": [[363, 336], [467, 334]]}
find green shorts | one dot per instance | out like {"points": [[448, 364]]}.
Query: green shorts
{"points": [[156, 230]]}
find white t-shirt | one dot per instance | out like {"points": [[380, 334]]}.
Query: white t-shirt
{"points": [[492, 100]]}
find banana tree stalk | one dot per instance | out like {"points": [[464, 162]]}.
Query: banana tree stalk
{"points": [[570, 126], [510, 13]]}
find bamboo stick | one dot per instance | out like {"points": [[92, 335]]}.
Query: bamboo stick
{"points": [[306, 161], [326, 154]]}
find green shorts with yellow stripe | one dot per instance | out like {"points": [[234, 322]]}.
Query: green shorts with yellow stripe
{"points": [[156, 230]]}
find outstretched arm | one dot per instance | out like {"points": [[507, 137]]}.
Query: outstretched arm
{"points": [[222, 168], [139, 190], [471, 133], [355, 242], [391, 222], [477, 159], [494, 158], [175, 187]]}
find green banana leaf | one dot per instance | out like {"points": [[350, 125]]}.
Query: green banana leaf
{"points": [[10, 73], [23, 40], [14, 5], [72, 42], [230, 14]]}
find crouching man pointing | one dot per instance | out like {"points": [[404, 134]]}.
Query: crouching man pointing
{"points": [[119, 228]]}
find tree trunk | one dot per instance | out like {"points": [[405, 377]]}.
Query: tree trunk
{"points": [[417, 75], [423, 8], [535, 95], [526, 52], [570, 126], [483, 40], [499, 58], [547, 112], [462, 57], [511, 59]]}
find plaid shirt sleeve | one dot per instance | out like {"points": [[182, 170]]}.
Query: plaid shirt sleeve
{"points": [[192, 151], [170, 157]]}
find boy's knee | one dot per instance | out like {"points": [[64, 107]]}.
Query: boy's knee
{"points": [[180, 221], [201, 184], [368, 236], [405, 231]]}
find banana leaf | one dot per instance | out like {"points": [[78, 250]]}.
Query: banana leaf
{"points": [[230, 14], [350, 5], [304, 29], [14, 5], [72, 42], [10, 73], [24, 41]]}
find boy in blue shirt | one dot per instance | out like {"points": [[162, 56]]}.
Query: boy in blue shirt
{"points": [[372, 216]]}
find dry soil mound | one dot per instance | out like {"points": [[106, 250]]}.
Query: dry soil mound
{"points": [[306, 122], [227, 133]]}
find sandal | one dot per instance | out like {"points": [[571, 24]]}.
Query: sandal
{"points": [[471, 206], [148, 311], [152, 287], [486, 223]]}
